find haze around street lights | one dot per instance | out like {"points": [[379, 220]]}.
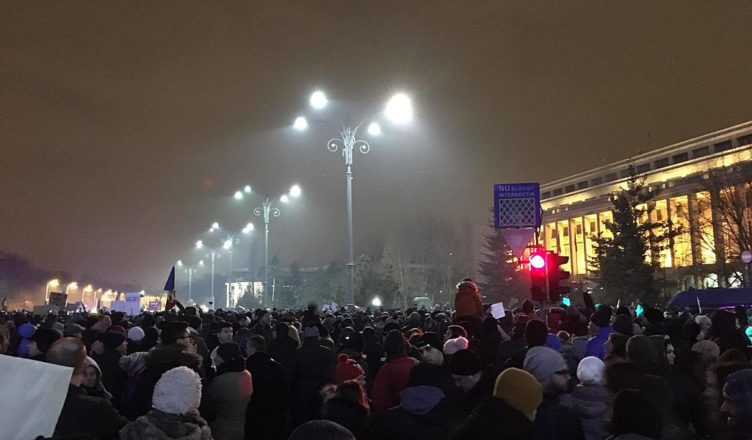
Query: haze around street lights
{"points": [[318, 100], [399, 109], [300, 123], [295, 191], [376, 302], [374, 129]]}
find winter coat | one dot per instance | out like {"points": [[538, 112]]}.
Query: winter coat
{"points": [[467, 302], [25, 331], [281, 349], [114, 378], [596, 345], [87, 415], [310, 367], [423, 414], [349, 414], [390, 380], [630, 437], [157, 425], [553, 421], [230, 392], [481, 391], [593, 404], [159, 360], [268, 408], [494, 419]]}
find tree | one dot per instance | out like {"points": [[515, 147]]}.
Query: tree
{"points": [[500, 278], [626, 258]]}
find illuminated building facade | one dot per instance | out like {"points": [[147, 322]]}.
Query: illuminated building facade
{"points": [[576, 208]]}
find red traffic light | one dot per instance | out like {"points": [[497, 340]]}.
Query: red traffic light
{"points": [[537, 261]]}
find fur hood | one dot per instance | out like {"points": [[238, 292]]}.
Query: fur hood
{"points": [[157, 425]]}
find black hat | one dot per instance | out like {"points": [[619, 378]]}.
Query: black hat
{"points": [[172, 331], [425, 374], [602, 316], [623, 324], [111, 340], [431, 338], [45, 337], [465, 363]]}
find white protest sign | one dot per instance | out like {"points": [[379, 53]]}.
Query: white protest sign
{"points": [[497, 310], [34, 393]]}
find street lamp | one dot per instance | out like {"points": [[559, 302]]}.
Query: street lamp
{"points": [[213, 254], [190, 270], [73, 285], [398, 110], [267, 211], [88, 288], [54, 283]]}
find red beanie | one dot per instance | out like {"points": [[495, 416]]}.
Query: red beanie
{"points": [[347, 369]]}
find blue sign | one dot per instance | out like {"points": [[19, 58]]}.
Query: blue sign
{"points": [[517, 205]]}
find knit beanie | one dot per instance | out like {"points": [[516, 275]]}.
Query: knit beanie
{"points": [[452, 346], [465, 363], [542, 362], [591, 371], [45, 337], [394, 343], [111, 340], [172, 331], [602, 316], [73, 330], [136, 334], [229, 351], [623, 324], [536, 333], [177, 392], [347, 369], [519, 389]]}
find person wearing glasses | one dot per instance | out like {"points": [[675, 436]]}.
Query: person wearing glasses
{"points": [[553, 420]]}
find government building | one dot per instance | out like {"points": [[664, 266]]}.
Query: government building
{"points": [[704, 190]]}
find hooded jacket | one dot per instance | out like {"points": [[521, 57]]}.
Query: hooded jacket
{"points": [[494, 419], [467, 301], [25, 331], [390, 380], [593, 404], [157, 425], [423, 413]]}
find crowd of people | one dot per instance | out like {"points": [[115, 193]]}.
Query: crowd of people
{"points": [[578, 372]]}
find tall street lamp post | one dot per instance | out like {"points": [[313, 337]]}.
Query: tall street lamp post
{"points": [[267, 211], [54, 284], [190, 270], [398, 110]]}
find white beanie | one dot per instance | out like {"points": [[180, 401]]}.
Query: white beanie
{"points": [[452, 346], [590, 371], [136, 334], [177, 392]]}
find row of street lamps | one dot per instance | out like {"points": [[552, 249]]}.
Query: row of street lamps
{"points": [[398, 110], [73, 286]]}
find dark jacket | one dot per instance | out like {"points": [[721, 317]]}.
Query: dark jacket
{"points": [[423, 414], [311, 366], [553, 421], [481, 391], [157, 425], [88, 415], [494, 419], [281, 349], [593, 404], [159, 360], [350, 415], [114, 378], [268, 410]]}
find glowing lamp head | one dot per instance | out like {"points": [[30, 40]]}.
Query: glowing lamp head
{"points": [[300, 123], [227, 245], [376, 302], [374, 129], [284, 198], [238, 195], [247, 189], [199, 244], [537, 261], [399, 109], [295, 191], [180, 263], [318, 100]]}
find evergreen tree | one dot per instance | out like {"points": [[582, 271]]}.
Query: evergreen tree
{"points": [[501, 278], [625, 261]]}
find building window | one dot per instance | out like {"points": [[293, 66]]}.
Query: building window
{"points": [[583, 185], [625, 173], [682, 249], [722, 146], [564, 245], [569, 188], [679, 158], [610, 177], [701, 152], [744, 140], [546, 195], [603, 219], [705, 233], [551, 242], [660, 163], [597, 181], [643, 168], [591, 231], [660, 211], [578, 247], [558, 192]]}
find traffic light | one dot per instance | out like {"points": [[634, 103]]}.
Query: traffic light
{"points": [[556, 275], [538, 280]]}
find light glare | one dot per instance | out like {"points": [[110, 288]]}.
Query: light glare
{"points": [[537, 261], [227, 244], [300, 123], [318, 100], [247, 189], [238, 195], [180, 262], [199, 244], [399, 109], [295, 191], [374, 129], [376, 302], [284, 198]]}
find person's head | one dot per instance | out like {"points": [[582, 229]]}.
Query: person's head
{"points": [[737, 396], [520, 390], [536, 333], [670, 353], [707, 348], [641, 351], [175, 332], [114, 341], [452, 346], [73, 330], [256, 344], [591, 371], [92, 374], [321, 430], [177, 392], [42, 340], [466, 369], [69, 352], [454, 331], [616, 345], [266, 319], [600, 319], [280, 330], [430, 348], [224, 332], [354, 391], [528, 307], [549, 368], [635, 413], [348, 370], [394, 344]]}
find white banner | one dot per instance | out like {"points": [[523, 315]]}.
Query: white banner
{"points": [[33, 396]]}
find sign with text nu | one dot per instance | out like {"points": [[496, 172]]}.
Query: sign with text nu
{"points": [[517, 205]]}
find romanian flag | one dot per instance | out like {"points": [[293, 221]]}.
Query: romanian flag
{"points": [[170, 289]]}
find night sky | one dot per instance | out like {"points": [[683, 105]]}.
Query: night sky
{"points": [[125, 127]]}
